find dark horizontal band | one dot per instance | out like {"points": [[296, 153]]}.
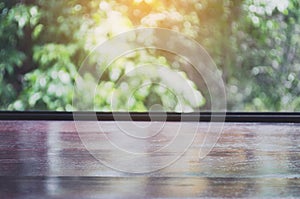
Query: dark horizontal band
{"points": [[273, 117]]}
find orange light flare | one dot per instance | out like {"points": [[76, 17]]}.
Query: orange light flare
{"points": [[146, 6], [137, 9], [148, 2]]}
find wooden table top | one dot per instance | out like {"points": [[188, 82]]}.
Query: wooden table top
{"points": [[50, 159]]}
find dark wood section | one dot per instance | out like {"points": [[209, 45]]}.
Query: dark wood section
{"points": [[48, 159], [261, 117]]}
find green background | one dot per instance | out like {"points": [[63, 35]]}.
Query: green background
{"points": [[254, 43]]}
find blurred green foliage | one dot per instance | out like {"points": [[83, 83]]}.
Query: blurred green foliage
{"points": [[255, 44]]}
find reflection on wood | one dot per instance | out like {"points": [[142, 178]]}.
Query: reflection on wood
{"points": [[40, 159]]}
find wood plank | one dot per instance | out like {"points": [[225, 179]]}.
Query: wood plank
{"points": [[48, 159]]}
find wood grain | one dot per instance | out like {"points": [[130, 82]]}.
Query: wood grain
{"points": [[48, 159]]}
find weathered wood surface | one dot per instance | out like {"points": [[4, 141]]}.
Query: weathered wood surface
{"points": [[40, 159]]}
